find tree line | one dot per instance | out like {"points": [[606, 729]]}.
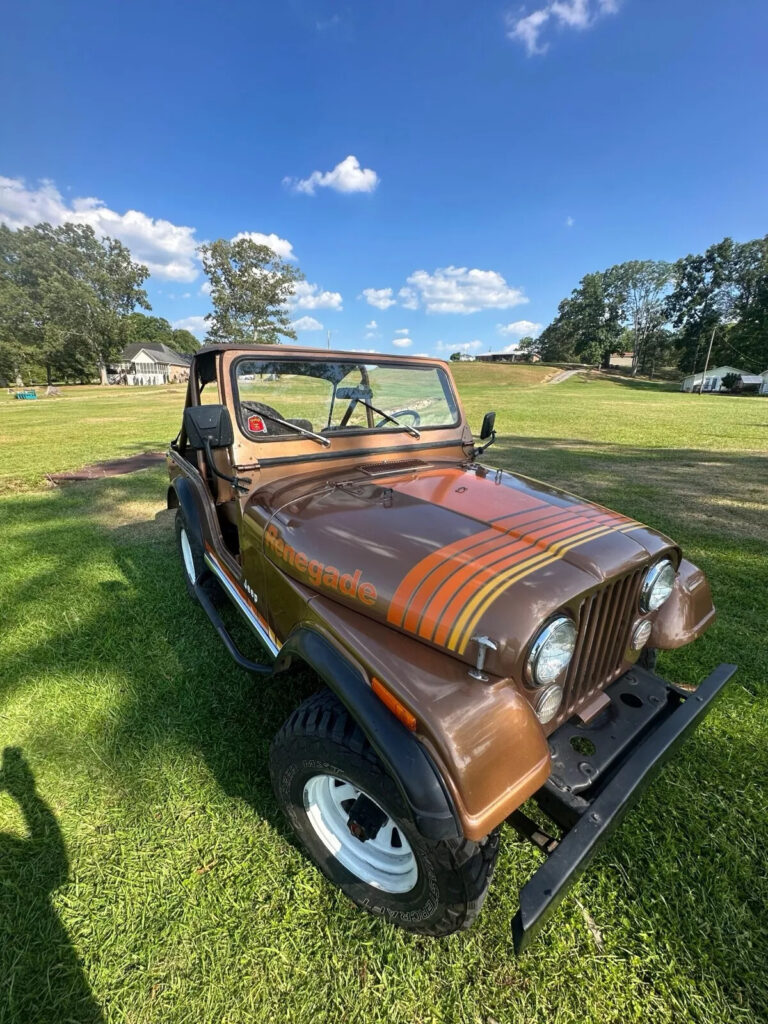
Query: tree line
{"points": [[70, 301], [668, 314]]}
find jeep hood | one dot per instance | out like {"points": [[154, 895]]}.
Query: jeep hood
{"points": [[447, 552]]}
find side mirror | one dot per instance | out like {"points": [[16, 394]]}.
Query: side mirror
{"points": [[489, 421], [208, 426]]}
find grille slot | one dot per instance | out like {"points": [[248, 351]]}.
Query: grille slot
{"points": [[605, 619]]}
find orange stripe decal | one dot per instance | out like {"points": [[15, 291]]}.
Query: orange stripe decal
{"points": [[445, 614], [467, 623], [486, 542], [415, 576]]}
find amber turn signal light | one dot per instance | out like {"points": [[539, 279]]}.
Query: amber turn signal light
{"points": [[390, 700]]}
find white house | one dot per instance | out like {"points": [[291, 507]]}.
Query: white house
{"points": [[764, 385], [150, 364], [713, 380]]}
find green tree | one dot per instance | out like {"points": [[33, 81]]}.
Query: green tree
{"points": [[155, 330], [587, 325], [250, 286], [148, 330], [556, 341], [65, 296], [701, 300], [721, 297], [730, 380], [183, 341], [639, 287]]}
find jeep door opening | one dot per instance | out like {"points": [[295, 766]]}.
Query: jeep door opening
{"points": [[480, 639]]}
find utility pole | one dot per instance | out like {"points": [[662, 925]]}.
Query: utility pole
{"points": [[706, 361], [328, 339]]}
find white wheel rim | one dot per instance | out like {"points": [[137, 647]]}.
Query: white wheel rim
{"points": [[189, 561], [386, 862]]}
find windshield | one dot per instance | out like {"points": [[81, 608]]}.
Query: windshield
{"points": [[290, 397]]}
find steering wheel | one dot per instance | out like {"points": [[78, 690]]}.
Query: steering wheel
{"points": [[399, 415]]}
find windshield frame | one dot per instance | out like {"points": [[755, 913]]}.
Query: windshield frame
{"points": [[354, 359]]}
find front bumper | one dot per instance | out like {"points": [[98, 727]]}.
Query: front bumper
{"points": [[589, 793]]}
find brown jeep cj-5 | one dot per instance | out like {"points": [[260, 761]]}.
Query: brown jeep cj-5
{"points": [[480, 639]]}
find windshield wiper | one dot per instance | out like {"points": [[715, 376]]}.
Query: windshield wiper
{"points": [[293, 426], [380, 412]]}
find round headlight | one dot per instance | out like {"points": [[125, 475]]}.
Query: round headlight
{"points": [[641, 634], [548, 703], [657, 585], [551, 651]]}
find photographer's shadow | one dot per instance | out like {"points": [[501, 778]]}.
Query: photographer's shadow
{"points": [[41, 980]]}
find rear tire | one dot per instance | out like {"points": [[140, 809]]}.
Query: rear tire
{"points": [[193, 565], [432, 888]]}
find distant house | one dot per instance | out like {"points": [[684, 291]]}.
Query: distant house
{"points": [[713, 381], [749, 382], [150, 364], [764, 385], [516, 356], [622, 359]]}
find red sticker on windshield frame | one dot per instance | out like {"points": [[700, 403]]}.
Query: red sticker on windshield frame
{"points": [[256, 425]]}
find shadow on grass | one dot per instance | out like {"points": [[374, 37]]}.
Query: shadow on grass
{"points": [[724, 493], [134, 623], [632, 382], [41, 979]]}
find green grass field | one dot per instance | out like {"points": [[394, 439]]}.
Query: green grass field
{"points": [[150, 876]]}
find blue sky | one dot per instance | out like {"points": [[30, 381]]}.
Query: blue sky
{"points": [[498, 151]]}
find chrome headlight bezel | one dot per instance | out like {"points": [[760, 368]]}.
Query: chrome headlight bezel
{"points": [[546, 635], [661, 575], [548, 703]]}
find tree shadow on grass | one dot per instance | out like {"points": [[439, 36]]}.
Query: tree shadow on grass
{"points": [[41, 979], [178, 685], [717, 492]]}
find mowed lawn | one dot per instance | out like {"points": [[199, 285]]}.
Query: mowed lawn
{"points": [[154, 879]]}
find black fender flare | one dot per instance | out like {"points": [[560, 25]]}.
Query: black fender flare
{"points": [[406, 760], [181, 494]]}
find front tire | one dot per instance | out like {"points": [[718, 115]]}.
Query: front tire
{"points": [[320, 761]]}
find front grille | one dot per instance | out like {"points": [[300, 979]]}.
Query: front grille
{"points": [[605, 619]]}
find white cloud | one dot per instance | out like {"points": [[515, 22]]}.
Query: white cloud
{"points": [[371, 326], [527, 29], [402, 342], [279, 245], [311, 296], [519, 328], [402, 330], [167, 249], [347, 176], [381, 298], [205, 288], [576, 14], [306, 323], [197, 324], [569, 222], [460, 290], [408, 298]]}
